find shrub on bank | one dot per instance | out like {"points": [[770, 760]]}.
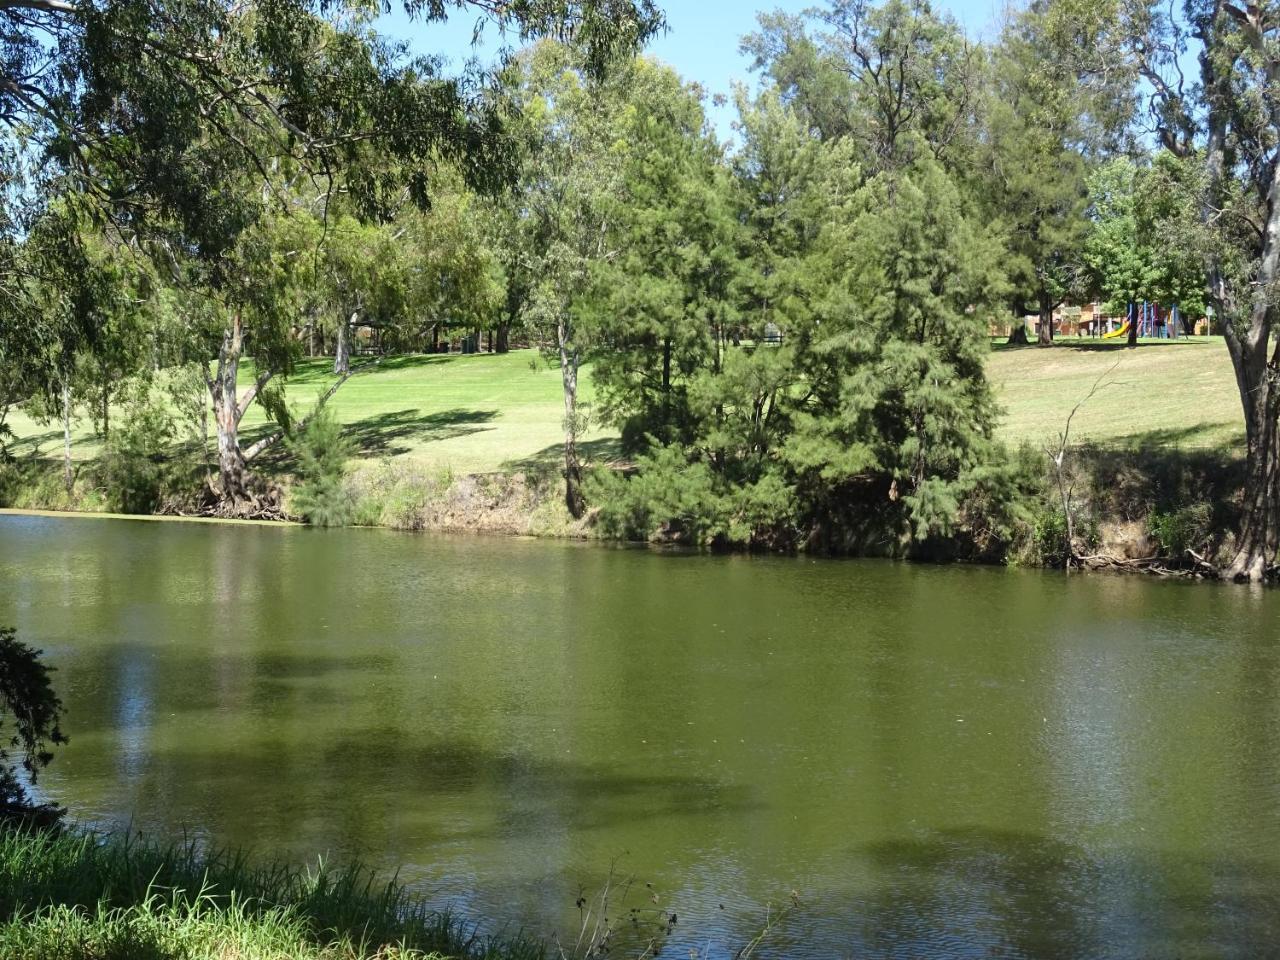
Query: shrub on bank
{"points": [[670, 497], [322, 450], [143, 464]]}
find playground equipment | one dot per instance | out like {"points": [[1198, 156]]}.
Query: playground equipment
{"points": [[1149, 321]]}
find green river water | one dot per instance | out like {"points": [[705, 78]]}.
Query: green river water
{"points": [[941, 762]]}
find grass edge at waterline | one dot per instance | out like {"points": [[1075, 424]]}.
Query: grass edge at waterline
{"points": [[80, 895]]}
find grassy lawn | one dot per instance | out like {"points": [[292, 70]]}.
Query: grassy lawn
{"points": [[484, 413], [472, 414], [1171, 394]]}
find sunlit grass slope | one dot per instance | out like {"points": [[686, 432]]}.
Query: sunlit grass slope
{"points": [[486, 413], [1163, 393], [471, 414]]}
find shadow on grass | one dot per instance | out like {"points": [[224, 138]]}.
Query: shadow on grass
{"points": [[32, 444], [1181, 441], [392, 434], [320, 369], [385, 434], [550, 459], [1090, 345], [1152, 473]]}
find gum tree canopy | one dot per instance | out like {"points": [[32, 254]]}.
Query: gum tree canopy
{"points": [[187, 128], [82, 75]]}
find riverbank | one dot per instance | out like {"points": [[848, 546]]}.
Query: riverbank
{"points": [[469, 445], [81, 896], [145, 517]]}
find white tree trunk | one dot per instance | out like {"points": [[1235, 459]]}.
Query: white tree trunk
{"points": [[569, 361]]}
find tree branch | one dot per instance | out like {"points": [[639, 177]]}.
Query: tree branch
{"points": [[267, 443]]}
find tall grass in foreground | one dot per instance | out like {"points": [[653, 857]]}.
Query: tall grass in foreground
{"points": [[83, 896]]}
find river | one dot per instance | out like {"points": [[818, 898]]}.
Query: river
{"points": [[943, 762]]}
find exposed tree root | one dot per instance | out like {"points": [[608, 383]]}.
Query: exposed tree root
{"points": [[1191, 566], [1158, 566], [260, 501]]}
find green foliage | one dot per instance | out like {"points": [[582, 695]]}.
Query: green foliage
{"points": [[875, 405], [907, 336], [322, 451], [1047, 115], [894, 77], [662, 304], [668, 496], [1143, 234], [138, 463], [30, 712], [673, 499], [1186, 528], [1049, 537]]}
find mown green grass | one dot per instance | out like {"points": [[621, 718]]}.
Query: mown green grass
{"points": [[471, 414], [1179, 394], [81, 896], [487, 413]]}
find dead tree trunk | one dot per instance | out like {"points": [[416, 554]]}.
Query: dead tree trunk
{"points": [[569, 361]]}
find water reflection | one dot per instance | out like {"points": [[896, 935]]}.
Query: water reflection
{"points": [[941, 762]]}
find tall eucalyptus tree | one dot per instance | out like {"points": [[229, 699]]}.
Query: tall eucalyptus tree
{"points": [[1225, 130]]}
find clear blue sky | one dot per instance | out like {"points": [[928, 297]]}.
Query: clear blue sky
{"points": [[701, 42]]}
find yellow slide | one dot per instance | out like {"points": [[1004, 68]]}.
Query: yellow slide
{"points": [[1124, 330]]}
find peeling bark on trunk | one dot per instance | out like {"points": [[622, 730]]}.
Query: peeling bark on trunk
{"points": [[342, 353], [569, 361], [226, 417], [228, 410]]}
